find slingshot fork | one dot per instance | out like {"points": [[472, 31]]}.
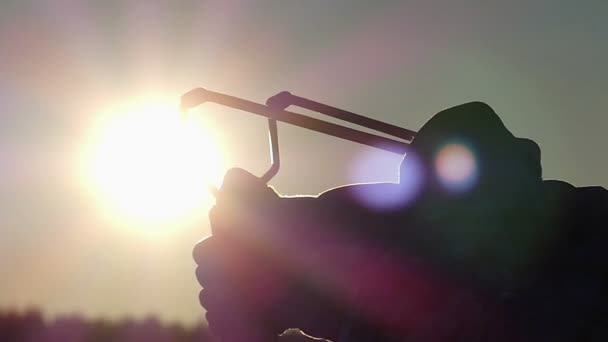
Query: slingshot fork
{"points": [[275, 110]]}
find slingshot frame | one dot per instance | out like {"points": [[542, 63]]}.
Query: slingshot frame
{"points": [[275, 110]]}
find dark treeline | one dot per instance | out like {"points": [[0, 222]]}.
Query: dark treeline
{"points": [[31, 327]]}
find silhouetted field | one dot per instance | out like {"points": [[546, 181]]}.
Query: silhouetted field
{"points": [[31, 327]]}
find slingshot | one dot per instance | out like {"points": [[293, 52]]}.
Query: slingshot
{"points": [[275, 110]]}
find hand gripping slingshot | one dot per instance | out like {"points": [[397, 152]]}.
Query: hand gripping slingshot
{"points": [[275, 110]]}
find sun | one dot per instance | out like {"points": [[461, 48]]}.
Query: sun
{"points": [[150, 166]]}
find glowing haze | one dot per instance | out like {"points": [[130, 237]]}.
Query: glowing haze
{"points": [[92, 158]]}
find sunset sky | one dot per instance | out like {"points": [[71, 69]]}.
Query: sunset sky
{"points": [[66, 66]]}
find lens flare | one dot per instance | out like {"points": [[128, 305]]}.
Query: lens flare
{"points": [[377, 166], [456, 167]]}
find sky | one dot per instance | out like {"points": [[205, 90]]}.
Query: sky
{"points": [[539, 64]]}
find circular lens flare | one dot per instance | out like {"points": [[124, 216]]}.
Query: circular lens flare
{"points": [[456, 167], [383, 166]]}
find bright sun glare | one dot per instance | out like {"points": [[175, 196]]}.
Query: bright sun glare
{"points": [[151, 166]]}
